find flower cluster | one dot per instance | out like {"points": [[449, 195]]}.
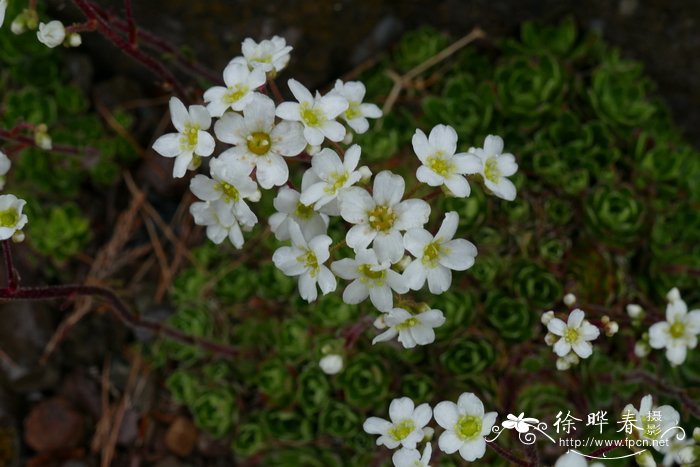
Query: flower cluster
{"points": [[570, 339], [51, 34], [677, 334], [392, 251], [465, 425]]}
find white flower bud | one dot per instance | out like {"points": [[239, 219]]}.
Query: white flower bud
{"points": [[311, 150], [404, 262], [348, 137], [634, 311], [51, 34], [255, 197], [547, 317], [611, 328], [550, 339], [696, 434], [641, 349], [673, 295], [74, 39], [428, 433], [365, 172], [563, 364], [331, 364], [569, 299], [379, 323], [18, 25], [42, 138]]}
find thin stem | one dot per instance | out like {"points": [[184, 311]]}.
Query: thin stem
{"points": [[130, 21], [275, 91], [507, 455], [11, 272], [120, 309]]}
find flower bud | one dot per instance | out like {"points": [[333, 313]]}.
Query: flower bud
{"points": [[569, 299], [641, 349], [348, 137], [428, 434], [379, 323], [366, 173], [550, 339], [635, 311], [331, 364], [42, 138], [74, 39], [18, 25], [311, 150], [696, 434], [51, 34], [611, 328], [673, 295], [547, 317]]}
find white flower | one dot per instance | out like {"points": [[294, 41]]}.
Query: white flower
{"points": [[441, 166], [369, 278], [231, 185], [652, 423], [51, 34], [412, 329], [317, 114], [331, 364], [571, 459], [270, 55], [5, 165], [291, 209], [3, 8], [335, 176], [573, 335], [220, 221], [437, 256], [465, 426], [259, 142], [305, 259], [379, 218], [405, 457], [496, 167], [11, 218], [678, 333], [357, 113], [406, 425], [680, 452], [241, 84], [191, 138]]}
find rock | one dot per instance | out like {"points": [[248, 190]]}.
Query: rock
{"points": [[53, 424], [181, 437]]}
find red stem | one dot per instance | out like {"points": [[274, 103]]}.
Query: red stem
{"points": [[130, 21], [11, 272], [507, 455]]}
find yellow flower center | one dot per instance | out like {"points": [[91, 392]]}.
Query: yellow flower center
{"points": [[402, 429], [337, 180], [230, 192], [409, 323], [571, 335], [235, 93], [440, 166], [353, 110], [311, 115], [491, 170], [431, 253], [303, 211], [677, 329], [468, 427], [9, 217], [258, 143], [652, 429], [381, 218], [368, 274], [310, 261], [189, 138]]}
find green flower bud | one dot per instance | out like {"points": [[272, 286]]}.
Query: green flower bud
{"points": [[214, 411]]}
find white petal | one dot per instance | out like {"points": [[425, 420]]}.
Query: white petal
{"points": [[469, 404], [205, 144], [449, 443], [376, 426], [421, 146], [333, 130], [389, 247], [288, 138], [345, 268], [414, 275], [178, 114], [556, 326], [326, 280], [458, 185], [168, 145], [181, 163], [388, 188], [200, 116], [582, 348], [360, 236], [355, 292], [575, 319], [288, 111], [400, 409], [446, 415], [507, 165], [426, 175], [301, 93], [473, 449], [467, 163], [493, 145], [448, 227], [562, 347], [505, 189], [332, 106], [439, 279], [381, 298], [230, 128], [676, 353], [415, 241], [444, 138], [459, 254], [411, 213], [272, 171]]}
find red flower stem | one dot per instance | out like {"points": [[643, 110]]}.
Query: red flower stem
{"points": [[130, 21], [160, 45], [275, 91], [105, 28], [507, 455], [58, 148], [10, 271]]}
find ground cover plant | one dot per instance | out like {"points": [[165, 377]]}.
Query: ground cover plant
{"points": [[468, 251]]}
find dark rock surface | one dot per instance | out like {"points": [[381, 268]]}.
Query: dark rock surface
{"points": [[330, 37]]}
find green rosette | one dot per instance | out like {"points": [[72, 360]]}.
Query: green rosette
{"points": [[468, 357], [512, 319], [275, 381], [365, 381], [536, 285], [249, 439], [529, 86], [339, 419], [215, 411], [314, 389], [614, 215]]}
